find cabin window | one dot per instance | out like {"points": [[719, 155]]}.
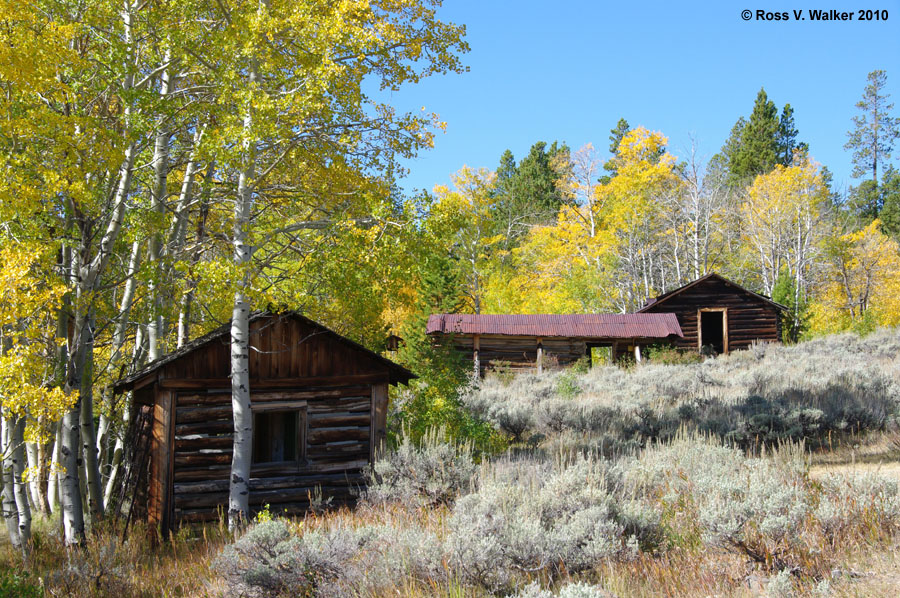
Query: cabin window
{"points": [[279, 436]]}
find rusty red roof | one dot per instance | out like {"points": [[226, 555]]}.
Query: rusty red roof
{"points": [[569, 325]]}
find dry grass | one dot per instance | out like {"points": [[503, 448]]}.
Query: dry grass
{"points": [[111, 567], [878, 453], [182, 568]]}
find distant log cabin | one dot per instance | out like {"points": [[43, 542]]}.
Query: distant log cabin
{"points": [[718, 316], [319, 406], [534, 342]]}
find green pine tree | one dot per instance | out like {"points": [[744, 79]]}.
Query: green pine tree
{"points": [[890, 201], [758, 150], [787, 137], [875, 130]]}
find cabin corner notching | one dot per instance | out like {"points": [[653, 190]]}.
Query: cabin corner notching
{"points": [[319, 405]]}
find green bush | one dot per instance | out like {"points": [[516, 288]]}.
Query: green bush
{"points": [[18, 585]]}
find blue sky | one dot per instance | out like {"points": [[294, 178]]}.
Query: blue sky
{"points": [[568, 70]]}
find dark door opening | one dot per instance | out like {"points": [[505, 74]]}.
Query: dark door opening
{"points": [[712, 332]]}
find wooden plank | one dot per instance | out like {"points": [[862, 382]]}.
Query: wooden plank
{"points": [[345, 418], [379, 419], [220, 426], [292, 481], [298, 383], [161, 465], [203, 443], [324, 435]]}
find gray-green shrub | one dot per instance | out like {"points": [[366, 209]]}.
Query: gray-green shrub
{"points": [[818, 391], [430, 472]]}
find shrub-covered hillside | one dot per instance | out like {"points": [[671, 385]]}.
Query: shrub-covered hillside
{"points": [[688, 518], [820, 390]]}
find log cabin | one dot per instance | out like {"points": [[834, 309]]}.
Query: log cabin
{"points": [[319, 404], [534, 342], [717, 315]]}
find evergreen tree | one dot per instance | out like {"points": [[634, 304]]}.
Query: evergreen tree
{"points": [[866, 200], [530, 192], [616, 134], [615, 138], [758, 151], [787, 137], [506, 172], [720, 163], [890, 201], [835, 198], [875, 130]]}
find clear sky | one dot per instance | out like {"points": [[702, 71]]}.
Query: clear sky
{"points": [[567, 70]]}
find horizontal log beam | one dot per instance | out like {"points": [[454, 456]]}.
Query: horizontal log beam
{"points": [[299, 383]]}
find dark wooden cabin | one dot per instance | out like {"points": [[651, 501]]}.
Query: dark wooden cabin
{"points": [[319, 403], [536, 341], [719, 314]]}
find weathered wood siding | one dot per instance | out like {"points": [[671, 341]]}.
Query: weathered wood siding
{"points": [[340, 387], [519, 353], [749, 318], [338, 448], [282, 348]]}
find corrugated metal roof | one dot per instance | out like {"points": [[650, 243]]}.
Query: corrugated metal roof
{"points": [[569, 325]]}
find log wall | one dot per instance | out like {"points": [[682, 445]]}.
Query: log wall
{"points": [[339, 446], [749, 317], [339, 386]]}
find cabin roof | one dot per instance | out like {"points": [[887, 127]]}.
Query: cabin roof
{"points": [[712, 275], [398, 373], [549, 325]]}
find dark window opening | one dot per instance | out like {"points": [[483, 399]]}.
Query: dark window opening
{"points": [[279, 436], [712, 332]]}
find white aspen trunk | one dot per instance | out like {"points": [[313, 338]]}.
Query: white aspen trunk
{"points": [[88, 433], [88, 275], [125, 304], [239, 484], [69, 488], [34, 482], [20, 488], [70, 448], [178, 229], [7, 497], [119, 449], [158, 204], [53, 473]]}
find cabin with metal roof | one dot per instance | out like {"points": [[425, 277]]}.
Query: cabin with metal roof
{"points": [[319, 404], [537, 341], [717, 315]]}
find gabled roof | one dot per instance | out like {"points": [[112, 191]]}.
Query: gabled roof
{"points": [[712, 275], [571, 325], [398, 373]]}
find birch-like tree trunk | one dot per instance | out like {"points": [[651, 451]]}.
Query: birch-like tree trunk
{"points": [[118, 453], [88, 433], [53, 473], [158, 205], [37, 466], [7, 497], [239, 487], [108, 411], [20, 486]]}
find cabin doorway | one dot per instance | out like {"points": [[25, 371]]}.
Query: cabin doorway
{"points": [[712, 331]]}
